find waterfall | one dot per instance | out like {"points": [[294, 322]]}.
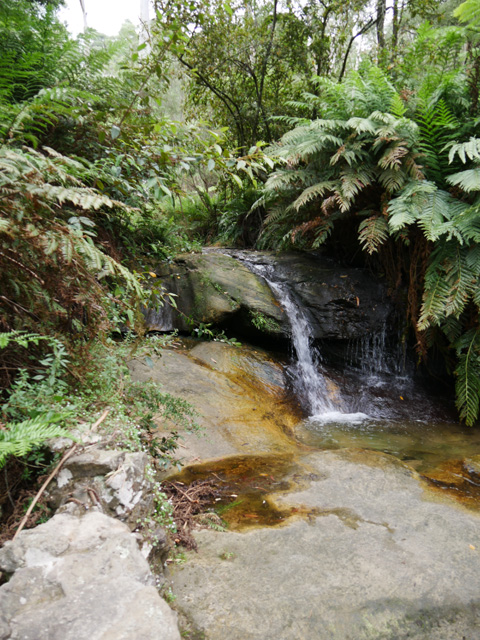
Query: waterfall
{"points": [[308, 380]]}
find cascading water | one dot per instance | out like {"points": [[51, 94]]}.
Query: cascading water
{"points": [[372, 385], [308, 380]]}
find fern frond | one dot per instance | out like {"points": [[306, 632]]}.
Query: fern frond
{"points": [[467, 385], [18, 439], [373, 232], [437, 291], [462, 280], [468, 180], [313, 192], [464, 150]]}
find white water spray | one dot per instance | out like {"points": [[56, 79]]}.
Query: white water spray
{"points": [[308, 380]]}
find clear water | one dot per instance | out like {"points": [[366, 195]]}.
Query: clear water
{"points": [[374, 403]]}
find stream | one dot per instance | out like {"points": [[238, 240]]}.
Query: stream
{"points": [[350, 497], [375, 403]]}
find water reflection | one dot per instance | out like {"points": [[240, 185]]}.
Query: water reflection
{"points": [[423, 444]]}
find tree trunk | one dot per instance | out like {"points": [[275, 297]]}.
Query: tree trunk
{"points": [[381, 10], [84, 13]]}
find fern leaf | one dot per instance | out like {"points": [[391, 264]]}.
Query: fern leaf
{"points": [[435, 297], [373, 232], [315, 191], [468, 180], [470, 149], [18, 439], [467, 373]]}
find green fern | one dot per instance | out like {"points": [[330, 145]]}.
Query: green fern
{"points": [[464, 150], [372, 233], [467, 372], [438, 127], [469, 11], [18, 439]]}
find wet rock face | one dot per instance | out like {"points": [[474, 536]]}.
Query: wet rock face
{"points": [[342, 303], [239, 393]]}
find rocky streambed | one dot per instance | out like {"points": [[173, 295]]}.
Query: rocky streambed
{"points": [[340, 544], [358, 523]]}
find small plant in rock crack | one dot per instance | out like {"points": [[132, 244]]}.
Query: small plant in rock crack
{"points": [[263, 323], [161, 448], [161, 515], [168, 595]]}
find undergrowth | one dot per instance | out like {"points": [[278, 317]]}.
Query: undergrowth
{"points": [[41, 406]]}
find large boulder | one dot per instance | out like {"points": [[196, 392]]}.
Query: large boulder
{"points": [[221, 290], [342, 302], [81, 578], [214, 288]]}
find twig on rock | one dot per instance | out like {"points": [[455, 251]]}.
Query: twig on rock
{"points": [[43, 487]]}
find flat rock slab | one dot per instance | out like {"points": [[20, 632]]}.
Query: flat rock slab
{"points": [[239, 394], [81, 578], [378, 557]]}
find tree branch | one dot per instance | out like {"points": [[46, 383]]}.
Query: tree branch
{"points": [[363, 30]]}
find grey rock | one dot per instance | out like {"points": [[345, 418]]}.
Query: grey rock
{"points": [[342, 303], [113, 481], [239, 393], [214, 288], [81, 579], [378, 558], [95, 462]]}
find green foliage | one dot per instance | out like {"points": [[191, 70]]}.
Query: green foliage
{"points": [[18, 439], [467, 374], [338, 163], [52, 267], [469, 11], [397, 172], [264, 323], [438, 127]]}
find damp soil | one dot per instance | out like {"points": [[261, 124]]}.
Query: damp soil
{"points": [[19, 483]]}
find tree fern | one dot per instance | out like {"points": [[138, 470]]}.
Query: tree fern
{"points": [[464, 150], [468, 180], [438, 127], [468, 11], [372, 233]]}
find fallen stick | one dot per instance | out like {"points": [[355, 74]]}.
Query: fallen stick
{"points": [[100, 420], [182, 492], [43, 487], [53, 474]]}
